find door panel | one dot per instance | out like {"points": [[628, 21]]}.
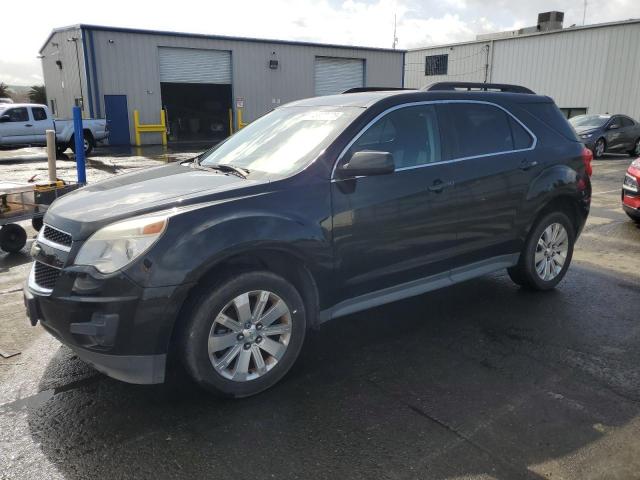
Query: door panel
{"points": [[391, 229], [117, 114], [19, 130], [492, 175]]}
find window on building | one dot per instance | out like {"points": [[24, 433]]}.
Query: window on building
{"points": [[17, 114], [573, 111], [54, 110], [436, 65], [38, 114]]}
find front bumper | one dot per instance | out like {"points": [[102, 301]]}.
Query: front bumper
{"points": [[631, 204], [120, 328]]}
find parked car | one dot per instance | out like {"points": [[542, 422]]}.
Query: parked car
{"points": [[631, 191], [25, 124], [5, 100], [608, 133], [321, 208]]}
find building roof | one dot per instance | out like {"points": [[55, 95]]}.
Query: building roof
{"points": [[211, 37], [527, 35]]}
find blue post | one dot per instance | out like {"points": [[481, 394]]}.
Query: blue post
{"points": [[78, 135]]}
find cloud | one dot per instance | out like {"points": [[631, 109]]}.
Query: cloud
{"points": [[355, 22]]}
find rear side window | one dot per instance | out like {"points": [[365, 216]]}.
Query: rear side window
{"points": [[39, 114], [521, 138], [477, 129], [626, 122]]}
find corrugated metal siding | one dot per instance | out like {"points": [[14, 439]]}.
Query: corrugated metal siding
{"points": [[64, 86], [596, 68], [191, 65], [127, 64], [466, 63], [335, 75]]}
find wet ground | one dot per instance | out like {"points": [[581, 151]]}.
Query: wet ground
{"points": [[482, 380]]}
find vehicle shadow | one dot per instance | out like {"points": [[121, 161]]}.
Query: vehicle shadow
{"points": [[480, 378]]}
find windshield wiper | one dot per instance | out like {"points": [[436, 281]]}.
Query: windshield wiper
{"points": [[237, 171]]}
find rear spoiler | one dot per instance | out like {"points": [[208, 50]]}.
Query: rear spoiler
{"points": [[470, 86]]}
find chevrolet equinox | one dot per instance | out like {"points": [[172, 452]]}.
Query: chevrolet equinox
{"points": [[320, 208]]}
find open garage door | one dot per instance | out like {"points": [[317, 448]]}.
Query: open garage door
{"points": [[335, 75], [195, 86]]}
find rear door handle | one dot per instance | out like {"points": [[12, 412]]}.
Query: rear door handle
{"points": [[438, 186], [527, 164]]}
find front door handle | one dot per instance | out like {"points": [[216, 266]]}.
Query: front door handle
{"points": [[28, 125], [527, 164], [438, 186]]}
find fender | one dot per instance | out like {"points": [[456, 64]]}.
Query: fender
{"points": [[551, 183]]}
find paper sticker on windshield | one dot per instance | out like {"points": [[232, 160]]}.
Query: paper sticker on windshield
{"points": [[320, 116]]}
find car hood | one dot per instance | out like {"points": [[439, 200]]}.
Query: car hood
{"points": [[82, 212]]}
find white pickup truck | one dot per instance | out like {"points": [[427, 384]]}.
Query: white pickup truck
{"points": [[24, 124]]}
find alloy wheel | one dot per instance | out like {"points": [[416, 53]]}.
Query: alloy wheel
{"points": [[551, 251], [636, 150], [249, 335], [599, 148]]}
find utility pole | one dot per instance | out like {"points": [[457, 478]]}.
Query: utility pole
{"points": [[584, 12], [75, 41], [486, 64], [395, 37]]}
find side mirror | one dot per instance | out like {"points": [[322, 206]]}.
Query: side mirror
{"points": [[613, 126], [367, 163], [5, 118]]}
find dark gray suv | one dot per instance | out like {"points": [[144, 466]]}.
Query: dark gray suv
{"points": [[321, 208]]}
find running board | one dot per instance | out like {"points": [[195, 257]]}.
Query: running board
{"points": [[418, 287]]}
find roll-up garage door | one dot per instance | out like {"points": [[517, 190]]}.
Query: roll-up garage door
{"points": [[335, 75], [190, 65]]}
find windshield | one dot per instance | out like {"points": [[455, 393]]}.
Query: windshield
{"points": [[283, 141], [594, 121]]}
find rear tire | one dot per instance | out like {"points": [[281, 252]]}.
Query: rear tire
{"points": [[227, 349], [635, 151], [547, 253], [12, 238], [88, 143]]}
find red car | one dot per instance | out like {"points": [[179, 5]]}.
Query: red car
{"points": [[631, 191]]}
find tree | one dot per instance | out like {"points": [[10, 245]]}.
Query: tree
{"points": [[4, 90], [37, 94]]}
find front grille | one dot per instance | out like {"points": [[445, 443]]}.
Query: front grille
{"points": [[56, 236], [45, 276]]}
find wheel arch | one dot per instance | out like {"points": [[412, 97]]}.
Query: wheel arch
{"points": [[277, 259]]}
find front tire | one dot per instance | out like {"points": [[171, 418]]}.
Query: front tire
{"points": [[12, 238], [242, 336], [635, 151], [88, 143], [547, 253], [599, 148]]}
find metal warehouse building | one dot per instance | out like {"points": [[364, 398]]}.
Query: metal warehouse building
{"points": [[200, 80], [588, 69]]}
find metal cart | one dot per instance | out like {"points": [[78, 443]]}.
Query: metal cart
{"points": [[25, 201]]}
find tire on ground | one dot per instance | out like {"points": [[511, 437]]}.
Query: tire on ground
{"points": [[199, 315], [524, 273]]}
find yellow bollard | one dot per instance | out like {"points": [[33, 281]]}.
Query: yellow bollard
{"points": [[136, 126], [230, 122], [160, 128]]}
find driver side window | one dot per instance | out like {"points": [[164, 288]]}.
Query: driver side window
{"points": [[410, 134], [17, 114]]}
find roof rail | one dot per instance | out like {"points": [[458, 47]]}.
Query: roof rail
{"points": [[374, 89], [470, 86]]}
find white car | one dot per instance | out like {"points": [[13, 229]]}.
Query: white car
{"points": [[25, 124]]}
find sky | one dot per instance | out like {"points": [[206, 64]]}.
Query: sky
{"points": [[353, 22]]}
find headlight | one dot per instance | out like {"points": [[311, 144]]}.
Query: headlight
{"points": [[118, 244], [588, 135]]}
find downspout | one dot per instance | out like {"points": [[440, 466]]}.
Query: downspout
{"points": [[85, 60]]}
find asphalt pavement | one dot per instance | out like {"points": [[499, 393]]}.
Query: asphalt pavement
{"points": [[482, 380]]}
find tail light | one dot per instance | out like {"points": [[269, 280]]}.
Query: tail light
{"points": [[587, 157]]}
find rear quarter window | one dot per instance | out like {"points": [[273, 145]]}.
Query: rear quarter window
{"points": [[549, 114]]}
